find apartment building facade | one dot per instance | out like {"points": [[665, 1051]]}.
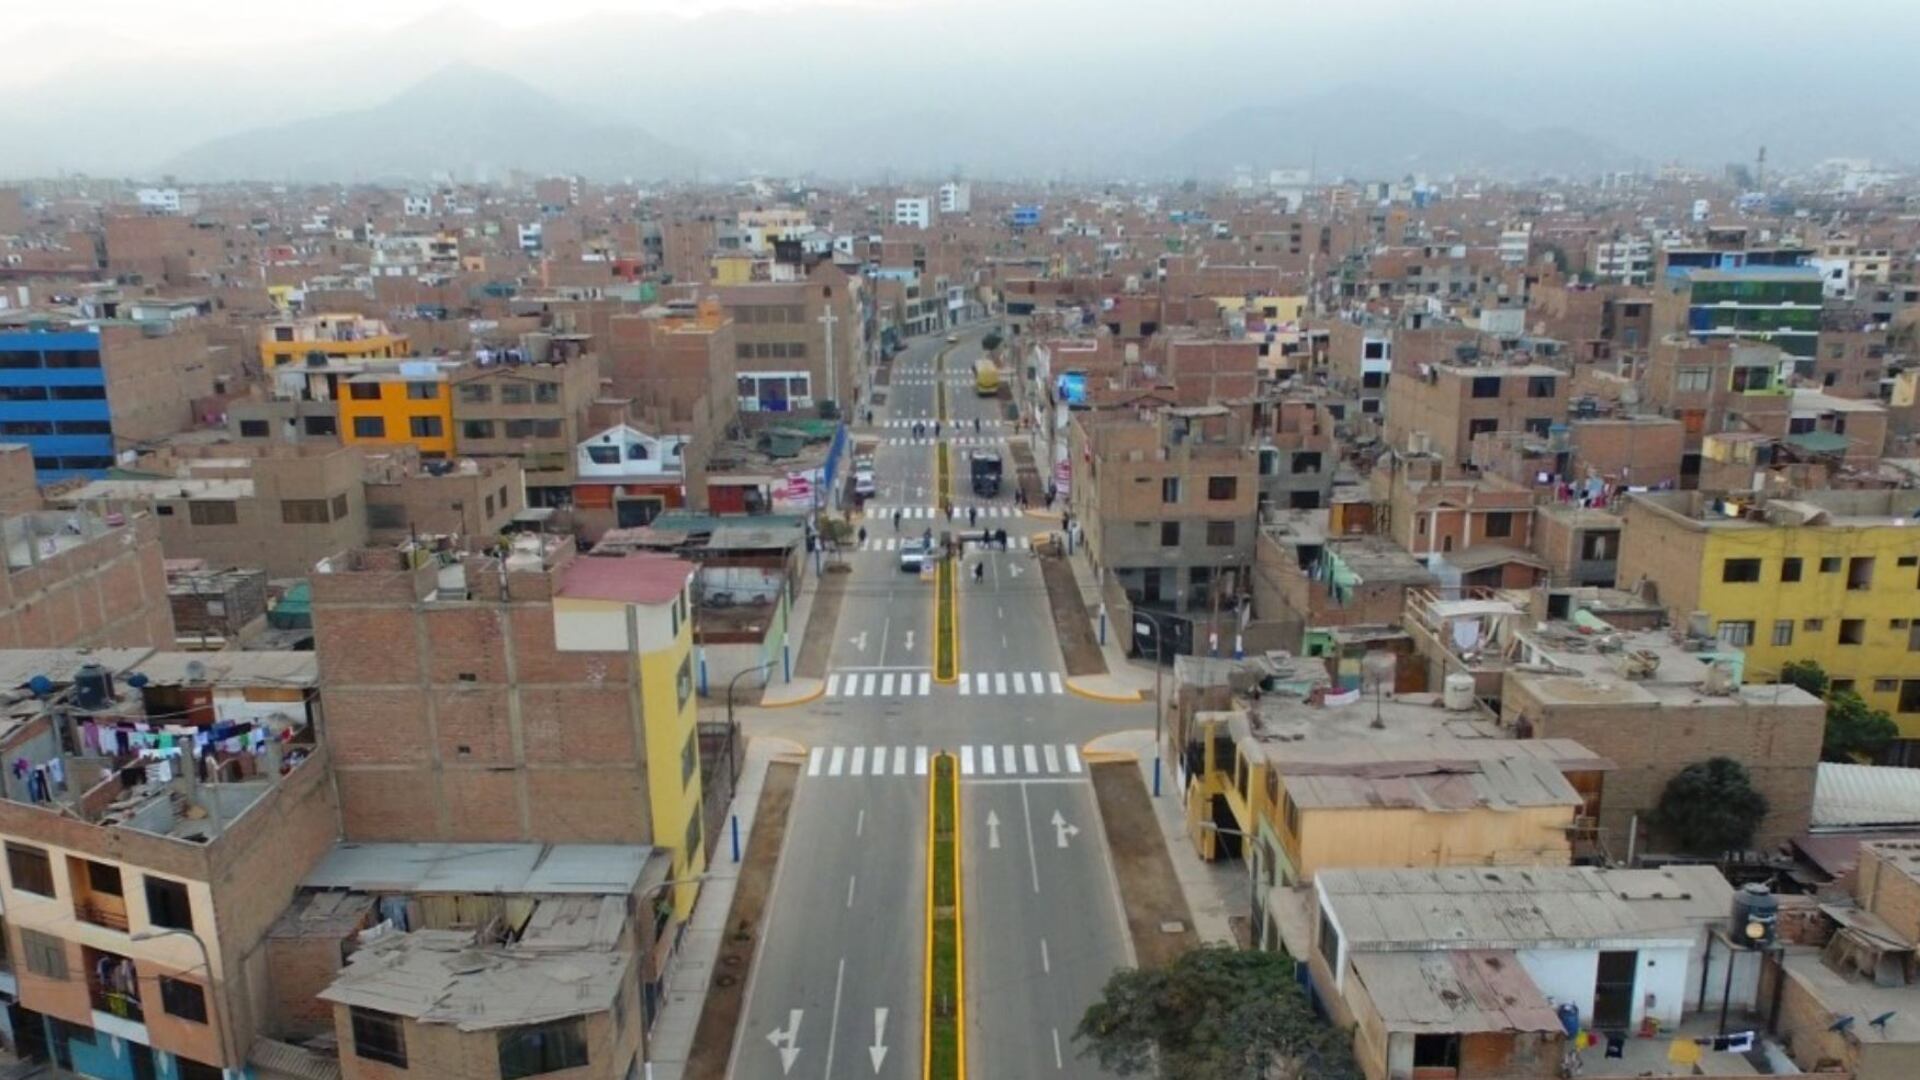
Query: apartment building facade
{"points": [[1442, 407], [530, 412]]}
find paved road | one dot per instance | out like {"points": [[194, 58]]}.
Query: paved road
{"points": [[857, 828]]}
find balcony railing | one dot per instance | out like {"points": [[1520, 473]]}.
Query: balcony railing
{"points": [[115, 1003], [89, 911]]}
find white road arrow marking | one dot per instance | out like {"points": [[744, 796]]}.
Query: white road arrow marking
{"points": [[993, 830], [909, 641], [1014, 569], [878, 1051], [787, 1041], [859, 641], [1062, 830]]}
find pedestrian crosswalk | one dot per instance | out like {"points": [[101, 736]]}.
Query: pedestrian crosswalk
{"points": [[889, 543], [927, 513], [907, 422], [1014, 760], [909, 683], [971, 441]]}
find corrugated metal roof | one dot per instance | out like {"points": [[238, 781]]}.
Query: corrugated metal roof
{"points": [[1464, 990], [1846, 796], [593, 869]]}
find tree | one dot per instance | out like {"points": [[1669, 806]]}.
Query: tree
{"points": [[991, 341], [1854, 730], [1216, 1013], [1710, 807]]}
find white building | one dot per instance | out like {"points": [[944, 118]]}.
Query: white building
{"points": [[956, 197], [418, 205], [159, 200], [1625, 261], [530, 237], [913, 213], [622, 453], [1514, 244]]}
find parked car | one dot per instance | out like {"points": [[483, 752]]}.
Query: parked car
{"points": [[953, 339], [863, 485], [914, 554]]}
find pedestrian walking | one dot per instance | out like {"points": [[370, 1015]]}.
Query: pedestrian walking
{"points": [[979, 571], [926, 537], [973, 516], [936, 429], [896, 521], [863, 534], [976, 424]]}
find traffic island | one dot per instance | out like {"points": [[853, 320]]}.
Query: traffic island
{"points": [[945, 1053], [946, 622]]}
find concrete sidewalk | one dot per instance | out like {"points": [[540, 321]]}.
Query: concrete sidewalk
{"points": [[1214, 891], [1123, 672], [671, 1041]]}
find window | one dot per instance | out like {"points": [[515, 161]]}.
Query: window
{"points": [[476, 429], [1329, 942], [1751, 379], [322, 426], [1169, 534], [683, 682], [515, 393], [183, 999], [1740, 570], [369, 427], [423, 391], [21, 393], [546, 393], [253, 429], [1219, 534], [1783, 631], [190, 1069], [1860, 573], [1486, 386], [743, 351], [379, 1036], [425, 427], [1540, 386], [168, 906], [1222, 488], [690, 757], [1690, 380], [1500, 523], [1737, 634], [213, 512], [519, 429], [304, 511], [1853, 631], [45, 955], [1790, 569], [475, 393], [30, 869], [1436, 1051], [102, 878], [691, 842], [1885, 686], [546, 429], [26, 427], [78, 393], [339, 507], [1170, 489], [1830, 565], [363, 391], [1813, 626]]}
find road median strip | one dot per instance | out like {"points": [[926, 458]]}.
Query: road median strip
{"points": [[944, 1045], [946, 623]]}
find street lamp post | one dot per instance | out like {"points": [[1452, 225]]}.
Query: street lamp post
{"points": [[733, 728], [1159, 702], [206, 965]]}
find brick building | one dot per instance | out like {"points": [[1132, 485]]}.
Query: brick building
{"points": [[1447, 405]]}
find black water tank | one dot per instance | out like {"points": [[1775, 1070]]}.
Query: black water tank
{"points": [[93, 687], [1756, 916]]}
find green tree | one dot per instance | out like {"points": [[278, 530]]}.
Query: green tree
{"points": [[1854, 730], [1217, 1013], [1710, 807]]}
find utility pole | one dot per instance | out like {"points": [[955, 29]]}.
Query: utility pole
{"points": [[833, 362]]}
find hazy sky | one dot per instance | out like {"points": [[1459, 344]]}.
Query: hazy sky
{"points": [[126, 86]]}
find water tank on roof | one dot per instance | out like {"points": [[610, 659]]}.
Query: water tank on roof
{"points": [[1457, 694], [92, 687], [1756, 916]]}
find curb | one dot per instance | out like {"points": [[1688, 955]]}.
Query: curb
{"points": [[1095, 695], [817, 694]]}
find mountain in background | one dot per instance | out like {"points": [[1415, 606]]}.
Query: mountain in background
{"points": [[1374, 134], [463, 120]]}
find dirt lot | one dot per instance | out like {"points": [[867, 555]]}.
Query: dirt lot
{"points": [[727, 995], [1148, 890], [1070, 620], [821, 625], [1025, 474]]}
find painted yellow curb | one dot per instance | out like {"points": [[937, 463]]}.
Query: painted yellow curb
{"points": [[815, 696], [1101, 757], [1095, 695]]}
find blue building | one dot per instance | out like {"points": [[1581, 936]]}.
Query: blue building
{"points": [[1025, 217], [53, 397]]}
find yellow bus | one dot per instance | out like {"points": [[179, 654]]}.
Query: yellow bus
{"points": [[986, 378]]}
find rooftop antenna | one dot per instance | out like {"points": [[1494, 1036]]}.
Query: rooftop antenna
{"points": [[1377, 667]]}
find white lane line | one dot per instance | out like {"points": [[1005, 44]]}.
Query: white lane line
{"points": [[833, 685], [899, 761], [966, 761], [1046, 961], [1019, 682], [926, 683], [966, 684], [1033, 857], [919, 761], [1073, 758], [859, 762], [1058, 1062], [986, 760], [1033, 759], [839, 759], [833, 1028], [886, 685], [1053, 758], [815, 759], [1038, 687], [1057, 688], [860, 823], [999, 682], [850, 884]]}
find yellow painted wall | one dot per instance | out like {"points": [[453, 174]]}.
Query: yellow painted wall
{"points": [[1379, 837], [1893, 595], [381, 347], [396, 410], [733, 269], [669, 717]]}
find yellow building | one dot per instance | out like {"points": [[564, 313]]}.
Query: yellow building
{"points": [[738, 268], [337, 337], [412, 405], [1828, 576], [644, 602]]}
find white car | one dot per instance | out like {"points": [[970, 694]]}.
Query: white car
{"points": [[863, 485], [953, 339], [914, 555]]}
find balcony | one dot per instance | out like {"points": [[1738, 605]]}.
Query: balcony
{"points": [[99, 914], [112, 988]]}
